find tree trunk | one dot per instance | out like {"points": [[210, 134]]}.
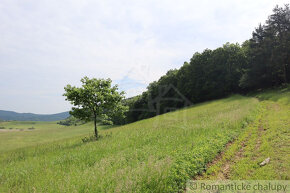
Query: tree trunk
{"points": [[95, 124]]}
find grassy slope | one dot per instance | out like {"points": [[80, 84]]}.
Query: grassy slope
{"points": [[156, 154], [267, 136]]}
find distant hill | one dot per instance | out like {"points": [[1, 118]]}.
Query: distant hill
{"points": [[14, 116]]}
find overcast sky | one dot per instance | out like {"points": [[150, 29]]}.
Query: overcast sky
{"points": [[46, 44]]}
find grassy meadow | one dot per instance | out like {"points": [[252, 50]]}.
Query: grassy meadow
{"points": [[153, 155], [20, 134], [156, 154]]}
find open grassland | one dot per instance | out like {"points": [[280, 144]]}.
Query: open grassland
{"points": [[20, 134], [157, 154]]}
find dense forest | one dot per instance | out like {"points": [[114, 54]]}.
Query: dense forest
{"points": [[260, 62]]}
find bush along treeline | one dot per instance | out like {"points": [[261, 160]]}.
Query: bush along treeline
{"points": [[71, 120], [260, 62]]}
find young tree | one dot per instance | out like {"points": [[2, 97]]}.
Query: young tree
{"points": [[95, 100]]}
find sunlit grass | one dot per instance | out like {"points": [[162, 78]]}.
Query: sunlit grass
{"points": [[145, 156]]}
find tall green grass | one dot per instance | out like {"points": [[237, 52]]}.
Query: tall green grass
{"points": [[153, 155]]}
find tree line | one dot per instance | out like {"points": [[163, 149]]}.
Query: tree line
{"points": [[260, 62]]}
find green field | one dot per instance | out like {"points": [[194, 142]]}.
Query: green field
{"points": [[19, 134], [153, 155]]}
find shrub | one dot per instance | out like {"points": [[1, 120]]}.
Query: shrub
{"points": [[71, 121], [89, 139]]}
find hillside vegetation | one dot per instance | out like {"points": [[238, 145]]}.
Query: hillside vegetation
{"points": [[260, 62], [157, 154], [206, 136]]}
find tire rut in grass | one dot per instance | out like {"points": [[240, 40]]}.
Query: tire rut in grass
{"points": [[224, 173], [261, 130], [223, 164], [224, 170]]}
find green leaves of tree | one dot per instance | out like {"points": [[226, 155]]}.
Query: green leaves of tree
{"points": [[95, 100]]}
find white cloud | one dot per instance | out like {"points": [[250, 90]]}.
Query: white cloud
{"points": [[47, 44]]}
